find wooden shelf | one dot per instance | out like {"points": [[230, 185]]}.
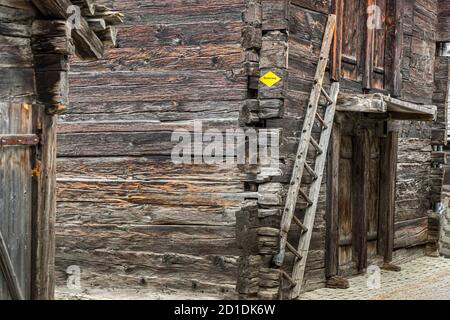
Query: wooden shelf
{"points": [[379, 103]]}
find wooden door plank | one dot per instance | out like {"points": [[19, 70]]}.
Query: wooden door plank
{"points": [[368, 36], [338, 9], [332, 212], [388, 173], [361, 156]]}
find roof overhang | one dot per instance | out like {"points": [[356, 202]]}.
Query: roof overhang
{"points": [[379, 103]]}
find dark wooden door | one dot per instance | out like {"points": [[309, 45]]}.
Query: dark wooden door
{"points": [[16, 139], [358, 205]]}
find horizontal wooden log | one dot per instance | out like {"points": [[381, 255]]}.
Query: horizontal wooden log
{"points": [[411, 233], [164, 111], [275, 15], [157, 86], [147, 36], [218, 240], [205, 57], [145, 169], [126, 192], [74, 212], [15, 52], [87, 44], [137, 264], [23, 80]]}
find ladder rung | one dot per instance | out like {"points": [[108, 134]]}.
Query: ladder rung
{"points": [[294, 251], [316, 145], [322, 122], [326, 95], [303, 194], [299, 223], [311, 171], [288, 278]]}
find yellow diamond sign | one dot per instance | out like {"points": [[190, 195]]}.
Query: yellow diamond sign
{"points": [[270, 79]]}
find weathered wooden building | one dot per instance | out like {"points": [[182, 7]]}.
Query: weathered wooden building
{"points": [[130, 218], [36, 39]]}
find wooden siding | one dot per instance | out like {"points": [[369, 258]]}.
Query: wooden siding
{"points": [[127, 215]]}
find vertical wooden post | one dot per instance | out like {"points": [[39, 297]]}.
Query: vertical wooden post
{"points": [[361, 156], [332, 212], [51, 73], [394, 46], [388, 168], [398, 50], [44, 210], [336, 51], [368, 47]]}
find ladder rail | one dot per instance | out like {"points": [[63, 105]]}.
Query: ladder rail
{"points": [[304, 243], [305, 139]]}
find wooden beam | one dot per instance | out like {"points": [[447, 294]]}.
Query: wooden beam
{"points": [[51, 36], [108, 36], [400, 106], [332, 212], [86, 6], [372, 103], [87, 44], [361, 153], [394, 44], [378, 103], [44, 207], [388, 174], [336, 51], [369, 34]]}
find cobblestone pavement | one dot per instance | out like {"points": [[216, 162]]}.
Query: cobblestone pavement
{"points": [[422, 279]]}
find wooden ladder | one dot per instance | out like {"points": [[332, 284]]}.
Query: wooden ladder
{"points": [[321, 147]]}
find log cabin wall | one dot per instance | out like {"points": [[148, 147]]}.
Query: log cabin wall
{"points": [[127, 215], [418, 168], [130, 218], [402, 66]]}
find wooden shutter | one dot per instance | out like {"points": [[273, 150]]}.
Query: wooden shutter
{"points": [[364, 55]]}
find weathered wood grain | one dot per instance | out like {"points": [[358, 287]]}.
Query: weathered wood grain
{"points": [[157, 86]]}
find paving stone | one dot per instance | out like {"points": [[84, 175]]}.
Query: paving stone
{"points": [[425, 278]]}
